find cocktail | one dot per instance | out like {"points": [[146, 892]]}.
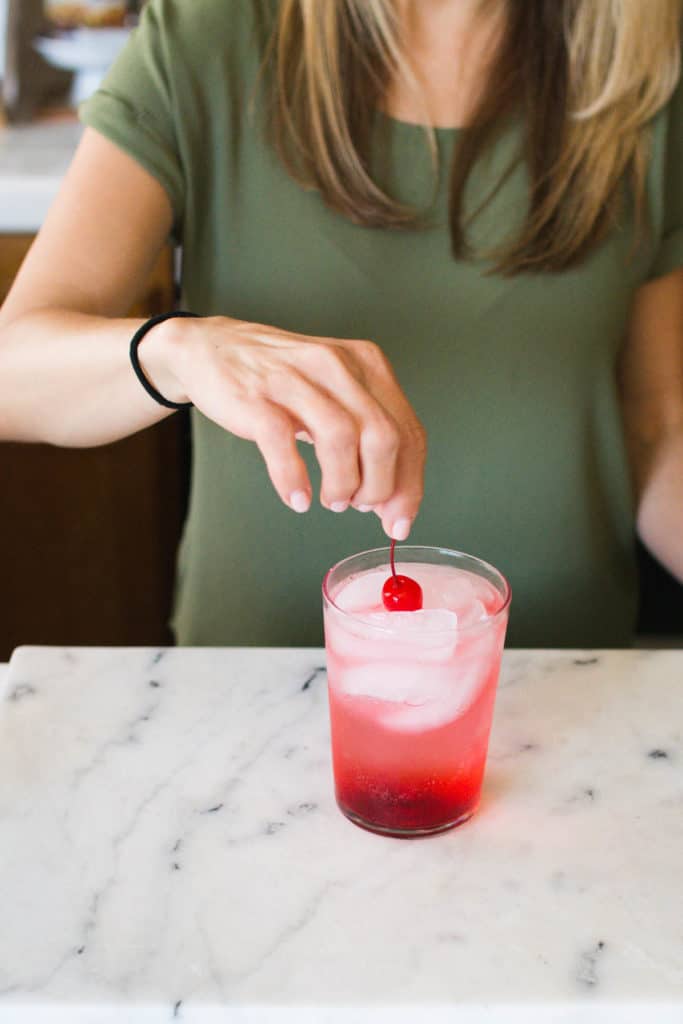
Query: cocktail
{"points": [[412, 692]]}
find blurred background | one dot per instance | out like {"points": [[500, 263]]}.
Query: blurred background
{"points": [[88, 538], [55, 52]]}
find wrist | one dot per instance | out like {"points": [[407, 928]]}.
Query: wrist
{"points": [[159, 358]]}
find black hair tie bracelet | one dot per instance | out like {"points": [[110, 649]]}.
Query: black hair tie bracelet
{"points": [[135, 344]]}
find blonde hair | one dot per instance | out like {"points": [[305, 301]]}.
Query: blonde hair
{"points": [[588, 76]]}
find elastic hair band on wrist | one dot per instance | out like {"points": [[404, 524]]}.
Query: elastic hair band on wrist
{"points": [[135, 344]]}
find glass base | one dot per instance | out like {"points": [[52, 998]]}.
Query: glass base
{"points": [[404, 833]]}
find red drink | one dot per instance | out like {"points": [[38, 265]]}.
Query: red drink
{"points": [[412, 693]]}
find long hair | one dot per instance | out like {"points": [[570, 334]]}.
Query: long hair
{"points": [[584, 78]]}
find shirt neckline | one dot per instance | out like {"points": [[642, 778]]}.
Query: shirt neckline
{"points": [[413, 127]]}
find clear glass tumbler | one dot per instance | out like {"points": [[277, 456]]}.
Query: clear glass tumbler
{"points": [[412, 693]]}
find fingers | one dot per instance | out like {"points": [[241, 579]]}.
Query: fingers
{"points": [[274, 388], [373, 458], [407, 446], [274, 434], [334, 432], [379, 450], [399, 512], [377, 434]]}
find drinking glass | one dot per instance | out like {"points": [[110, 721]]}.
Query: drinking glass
{"points": [[411, 694]]}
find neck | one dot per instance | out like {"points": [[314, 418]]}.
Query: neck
{"points": [[462, 11], [448, 45]]}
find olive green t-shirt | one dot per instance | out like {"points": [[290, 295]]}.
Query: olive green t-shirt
{"points": [[514, 378]]}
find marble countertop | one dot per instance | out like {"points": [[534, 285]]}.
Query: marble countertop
{"points": [[33, 161], [170, 849]]}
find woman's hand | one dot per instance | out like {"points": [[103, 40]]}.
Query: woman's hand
{"points": [[65, 375], [270, 386]]}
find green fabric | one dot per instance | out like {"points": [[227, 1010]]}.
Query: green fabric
{"points": [[513, 378]]}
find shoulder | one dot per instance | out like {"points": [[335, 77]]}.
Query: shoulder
{"points": [[207, 27]]}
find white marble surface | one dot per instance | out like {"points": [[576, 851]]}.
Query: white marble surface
{"points": [[170, 849], [33, 161]]}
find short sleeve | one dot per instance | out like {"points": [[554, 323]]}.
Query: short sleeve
{"points": [[136, 107], [668, 255]]}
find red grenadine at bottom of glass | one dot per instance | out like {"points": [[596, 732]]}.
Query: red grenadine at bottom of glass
{"points": [[409, 775]]}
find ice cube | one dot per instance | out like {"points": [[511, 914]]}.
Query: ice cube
{"points": [[429, 634], [355, 641], [394, 683], [362, 592], [469, 595], [415, 625], [450, 590], [483, 591], [487, 593], [413, 697], [375, 635], [473, 613], [458, 690]]}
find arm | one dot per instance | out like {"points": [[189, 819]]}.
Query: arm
{"points": [[65, 375], [651, 383], [63, 339]]}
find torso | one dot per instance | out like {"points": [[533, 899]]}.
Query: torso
{"points": [[514, 379]]}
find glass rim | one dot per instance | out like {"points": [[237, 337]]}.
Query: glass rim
{"points": [[355, 617]]}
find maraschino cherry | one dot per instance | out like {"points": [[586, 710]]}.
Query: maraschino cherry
{"points": [[401, 593]]}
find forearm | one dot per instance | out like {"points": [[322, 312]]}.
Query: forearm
{"points": [[660, 509], [66, 379]]}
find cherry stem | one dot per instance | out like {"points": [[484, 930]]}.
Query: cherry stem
{"points": [[391, 555]]}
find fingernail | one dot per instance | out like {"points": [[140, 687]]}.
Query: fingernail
{"points": [[401, 529], [300, 501], [339, 506], [364, 508]]}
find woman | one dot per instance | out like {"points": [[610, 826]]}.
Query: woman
{"points": [[516, 265]]}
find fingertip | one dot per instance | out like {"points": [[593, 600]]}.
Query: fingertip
{"points": [[300, 501], [397, 527]]}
